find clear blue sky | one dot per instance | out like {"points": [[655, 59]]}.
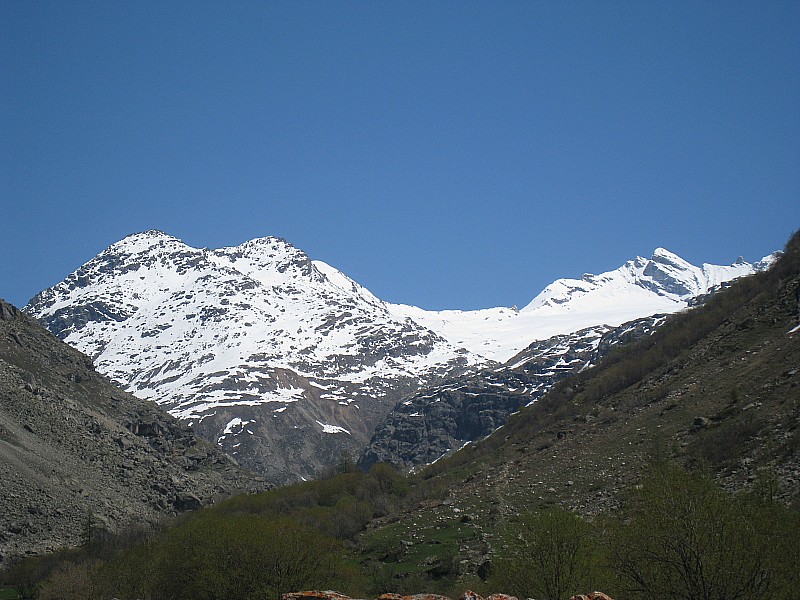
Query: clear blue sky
{"points": [[444, 154]]}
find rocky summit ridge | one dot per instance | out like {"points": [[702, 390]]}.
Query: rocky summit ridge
{"points": [[289, 364], [661, 284]]}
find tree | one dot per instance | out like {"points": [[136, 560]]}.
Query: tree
{"points": [[219, 556], [681, 536], [546, 554]]}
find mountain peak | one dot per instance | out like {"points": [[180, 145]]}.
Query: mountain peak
{"points": [[143, 241], [252, 334], [664, 256], [150, 234]]}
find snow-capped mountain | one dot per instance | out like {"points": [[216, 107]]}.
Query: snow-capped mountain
{"points": [[664, 283], [287, 362], [256, 346]]}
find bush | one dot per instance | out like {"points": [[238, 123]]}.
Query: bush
{"points": [[547, 554], [681, 536], [215, 556]]}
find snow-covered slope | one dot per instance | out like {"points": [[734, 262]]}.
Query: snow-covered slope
{"points": [[665, 283], [254, 340]]}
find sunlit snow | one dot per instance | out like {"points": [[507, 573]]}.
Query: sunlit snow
{"points": [[201, 330]]}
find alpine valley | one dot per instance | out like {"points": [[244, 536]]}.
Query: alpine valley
{"points": [[291, 366]]}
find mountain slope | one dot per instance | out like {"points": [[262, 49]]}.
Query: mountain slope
{"points": [[439, 420], [288, 363], [283, 361], [718, 385], [76, 451]]}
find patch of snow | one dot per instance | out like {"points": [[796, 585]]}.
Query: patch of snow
{"points": [[326, 428]]}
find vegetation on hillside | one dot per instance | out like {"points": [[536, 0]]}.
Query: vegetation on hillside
{"points": [[678, 535]]}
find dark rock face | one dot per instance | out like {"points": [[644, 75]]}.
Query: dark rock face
{"points": [[442, 419], [76, 452], [439, 420], [65, 320], [663, 279]]}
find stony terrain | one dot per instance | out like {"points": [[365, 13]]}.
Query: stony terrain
{"points": [[78, 453]]}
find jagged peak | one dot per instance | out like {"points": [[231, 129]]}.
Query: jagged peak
{"points": [[662, 255], [150, 234], [144, 241], [267, 240]]}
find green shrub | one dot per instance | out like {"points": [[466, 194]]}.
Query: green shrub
{"points": [[215, 556], [681, 536], [546, 554]]}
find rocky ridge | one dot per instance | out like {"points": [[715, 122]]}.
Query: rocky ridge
{"points": [[714, 387], [442, 419], [78, 453], [661, 284]]}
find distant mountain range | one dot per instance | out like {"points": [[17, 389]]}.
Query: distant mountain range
{"points": [[289, 364], [664, 283], [442, 419]]}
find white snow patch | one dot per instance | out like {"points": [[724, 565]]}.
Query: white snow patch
{"points": [[332, 428], [236, 422]]}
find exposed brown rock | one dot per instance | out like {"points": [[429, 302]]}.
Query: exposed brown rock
{"points": [[468, 595]]}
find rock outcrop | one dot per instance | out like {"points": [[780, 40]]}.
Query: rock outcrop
{"points": [[440, 420]]}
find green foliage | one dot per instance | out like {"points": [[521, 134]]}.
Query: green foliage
{"points": [[678, 536], [339, 505], [547, 554], [681, 536], [251, 546], [230, 556], [216, 555], [76, 581]]}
